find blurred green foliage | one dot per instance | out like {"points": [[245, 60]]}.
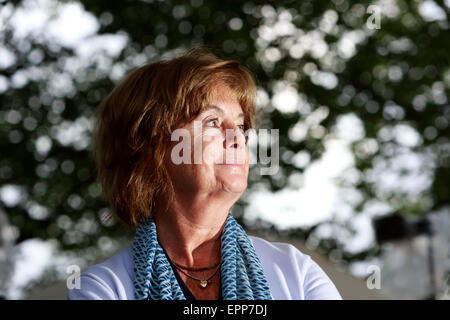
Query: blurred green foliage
{"points": [[395, 75]]}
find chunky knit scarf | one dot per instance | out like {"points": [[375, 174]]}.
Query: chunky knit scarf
{"points": [[241, 271]]}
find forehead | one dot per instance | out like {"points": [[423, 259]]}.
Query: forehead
{"points": [[222, 100], [221, 91]]}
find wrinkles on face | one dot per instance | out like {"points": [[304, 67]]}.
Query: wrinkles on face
{"points": [[217, 144]]}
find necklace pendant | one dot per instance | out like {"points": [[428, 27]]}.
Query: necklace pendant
{"points": [[203, 283]]}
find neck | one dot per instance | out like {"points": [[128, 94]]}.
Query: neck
{"points": [[191, 233]]}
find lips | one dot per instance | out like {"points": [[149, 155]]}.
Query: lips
{"points": [[233, 160], [231, 163]]}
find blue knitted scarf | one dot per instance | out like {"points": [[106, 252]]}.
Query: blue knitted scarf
{"points": [[241, 271]]}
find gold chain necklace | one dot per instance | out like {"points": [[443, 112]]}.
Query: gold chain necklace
{"points": [[196, 269], [203, 282]]}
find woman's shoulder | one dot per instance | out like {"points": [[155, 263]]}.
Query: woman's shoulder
{"points": [[280, 253], [111, 279], [293, 274], [274, 248]]}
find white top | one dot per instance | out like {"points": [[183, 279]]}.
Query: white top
{"points": [[292, 275]]}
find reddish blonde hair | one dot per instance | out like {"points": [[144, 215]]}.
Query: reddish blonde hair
{"points": [[135, 121]]}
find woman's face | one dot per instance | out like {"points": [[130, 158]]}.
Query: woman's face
{"points": [[217, 153]]}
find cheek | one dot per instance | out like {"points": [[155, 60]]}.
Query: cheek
{"points": [[212, 148]]}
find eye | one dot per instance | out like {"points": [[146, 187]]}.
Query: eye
{"points": [[212, 120], [242, 126]]}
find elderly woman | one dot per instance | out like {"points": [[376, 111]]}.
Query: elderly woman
{"points": [[172, 158]]}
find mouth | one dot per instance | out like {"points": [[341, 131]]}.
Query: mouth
{"points": [[231, 163], [234, 160]]}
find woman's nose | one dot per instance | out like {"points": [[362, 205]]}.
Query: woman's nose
{"points": [[234, 138]]}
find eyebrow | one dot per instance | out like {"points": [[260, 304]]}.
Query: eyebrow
{"points": [[220, 110]]}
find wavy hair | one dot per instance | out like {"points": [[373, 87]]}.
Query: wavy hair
{"points": [[134, 124]]}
